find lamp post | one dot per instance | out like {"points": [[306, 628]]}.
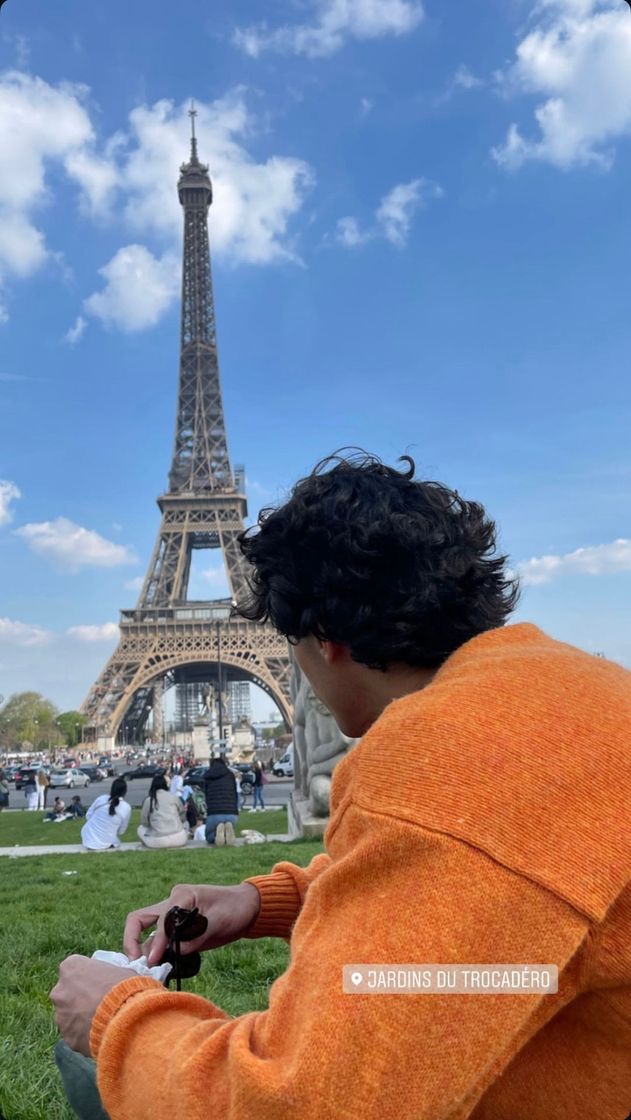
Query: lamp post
{"points": [[219, 697]]}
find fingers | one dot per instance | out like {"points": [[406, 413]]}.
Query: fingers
{"points": [[137, 922], [182, 895]]}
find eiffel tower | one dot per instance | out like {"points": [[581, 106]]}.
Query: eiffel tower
{"points": [[169, 639]]}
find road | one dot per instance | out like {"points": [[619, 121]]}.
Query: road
{"points": [[276, 792]]}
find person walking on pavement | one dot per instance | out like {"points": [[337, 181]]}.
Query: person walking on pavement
{"points": [[259, 782]]}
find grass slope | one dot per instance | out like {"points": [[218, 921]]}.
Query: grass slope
{"points": [[46, 915]]}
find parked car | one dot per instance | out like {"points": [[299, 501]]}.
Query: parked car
{"points": [[71, 779], [284, 768], [241, 770], [105, 764], [195, 776], [145, 770], [70, 763], [24, 775], [247, 777], [95, 774]]}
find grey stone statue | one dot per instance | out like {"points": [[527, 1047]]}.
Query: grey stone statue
{"points": [[318, 745]]}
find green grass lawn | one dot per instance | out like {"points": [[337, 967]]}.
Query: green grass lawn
{"points": [[25, 828], [46, 915]]}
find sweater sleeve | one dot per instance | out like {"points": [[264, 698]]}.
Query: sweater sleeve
{"points": [[401, 895], [282, 894]]}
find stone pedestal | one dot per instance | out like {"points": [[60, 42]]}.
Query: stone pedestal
{"points": [[201, 747], [301, 821]]}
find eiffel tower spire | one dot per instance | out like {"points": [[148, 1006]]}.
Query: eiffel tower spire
{"points": [[166, 639], [192, 114]]}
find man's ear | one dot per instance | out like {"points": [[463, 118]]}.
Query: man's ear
{"points": [[332, 652]]}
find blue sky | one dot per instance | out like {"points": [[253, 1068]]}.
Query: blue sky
{"points": [[420, 241]]}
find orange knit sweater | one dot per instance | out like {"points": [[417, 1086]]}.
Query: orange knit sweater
{"points": [[510, 841]]}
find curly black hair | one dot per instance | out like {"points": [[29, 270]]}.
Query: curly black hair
{"points": [[397, 569]]}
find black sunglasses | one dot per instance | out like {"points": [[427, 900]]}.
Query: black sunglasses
{"points": [[183, 925]]}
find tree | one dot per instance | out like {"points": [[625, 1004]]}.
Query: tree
{"points": [[71, 725], [28, 717]]}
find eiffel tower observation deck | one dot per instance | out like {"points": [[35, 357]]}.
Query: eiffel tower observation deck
{"points": [[169, 639]]}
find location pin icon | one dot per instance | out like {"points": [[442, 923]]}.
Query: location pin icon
{"points": [[356, 978]]}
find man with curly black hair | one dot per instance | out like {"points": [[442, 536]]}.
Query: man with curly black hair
{"points": [[507, 856], [375, 579]]}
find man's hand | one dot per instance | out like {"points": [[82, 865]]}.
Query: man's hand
{"points": [[82, 984], [230, 911]]}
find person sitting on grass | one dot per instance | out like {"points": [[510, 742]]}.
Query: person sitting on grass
{"points": [[510, 842], [107, 819], [75, 809], [162, 819], [58, 811]]}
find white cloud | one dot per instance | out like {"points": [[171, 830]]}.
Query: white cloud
{"points": [[393, 216], [9, 492], [73, 547], [597, 560], [395, 211], [40, 125], [334, 23], [576, 60], [348, 233], [366, 105], [464, 79], [73, 335], [23, 634], [96, 175], [108, 632], [139, 288], [22, 247]]}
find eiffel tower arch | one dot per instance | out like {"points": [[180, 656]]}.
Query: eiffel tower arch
{"points": [[168, 639]]}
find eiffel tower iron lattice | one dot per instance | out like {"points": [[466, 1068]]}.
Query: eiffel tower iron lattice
{"points": [[169, 639]]}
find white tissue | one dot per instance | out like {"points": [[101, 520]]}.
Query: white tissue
{"points": [[158, 972]]}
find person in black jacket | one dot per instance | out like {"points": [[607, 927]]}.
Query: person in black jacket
{"points": [[222, 803]]}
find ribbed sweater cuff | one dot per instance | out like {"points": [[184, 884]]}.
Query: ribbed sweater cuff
{"points": [[280, 905], [113, 1002]]}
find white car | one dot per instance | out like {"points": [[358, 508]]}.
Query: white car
{"points": [[284, 768], [69, 778]]}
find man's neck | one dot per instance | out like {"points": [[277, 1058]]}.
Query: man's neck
{"points": [[381, 688]]}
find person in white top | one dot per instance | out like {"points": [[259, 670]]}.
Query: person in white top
{"points": [[107, 819], [177, 781], [163, 819]]}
